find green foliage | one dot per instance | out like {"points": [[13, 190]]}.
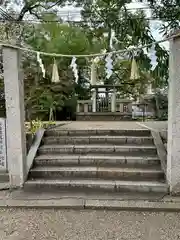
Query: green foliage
{"points": [[105, 16], [34, 125], [102, 19], [161, 106], [168, 11], [44, 97], [129, 29]]}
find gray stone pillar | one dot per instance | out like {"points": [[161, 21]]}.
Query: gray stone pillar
{"points": [[113, 101], [121, 107], [94, 100], [15, 130], [173, 159], [86, 107], [78, 107], [130, 107]]}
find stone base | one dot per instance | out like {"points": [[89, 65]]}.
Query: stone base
{"points": [[4, 176], [104, 116]]}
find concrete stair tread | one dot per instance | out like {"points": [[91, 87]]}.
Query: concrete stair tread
{"points": [[36, 194], [95, 156], [92, 169], [97, 182], [124, 149], [98, 146], [99, 137], [95, 185], [95, 160], [127, 132]]}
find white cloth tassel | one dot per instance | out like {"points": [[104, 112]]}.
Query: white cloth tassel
{"points": [[74, 68], [109, 65], [55, 74], [93, 73], [134, 70], [41, 64]]}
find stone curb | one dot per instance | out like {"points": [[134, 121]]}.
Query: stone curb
{"points": [[72, 203]]}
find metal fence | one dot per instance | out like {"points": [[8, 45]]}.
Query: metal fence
{"points": [[103, 104]]}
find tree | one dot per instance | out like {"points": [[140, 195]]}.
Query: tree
{"points": [[120, 28], [32, 7], [92, 36], [113, 18], [168, 11], [57, 38]]}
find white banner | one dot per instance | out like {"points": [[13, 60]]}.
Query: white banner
{"points": [[3, 162]]}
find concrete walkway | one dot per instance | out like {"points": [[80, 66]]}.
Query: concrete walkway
{"points": [[66, 200], [157, 126]]}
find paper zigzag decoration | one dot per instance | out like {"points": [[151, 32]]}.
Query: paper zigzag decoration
{"points": [[74, 68], [41, 64], [109, 65], [153, 57]]}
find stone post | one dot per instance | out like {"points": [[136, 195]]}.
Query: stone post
{"points": [[94, 100], [86, 107], [15, 130], [173, 159], [78, 107], [113, 101], [130, 107], [121, 107]]}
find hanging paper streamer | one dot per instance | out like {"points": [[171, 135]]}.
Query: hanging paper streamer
{"points": [[55, 74], [41, 64], [109, 65], [134, 70], [93, 73], [153, 57], [74, 68]]}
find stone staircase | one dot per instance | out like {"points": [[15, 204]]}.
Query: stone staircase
{"points": [[97, 160]]}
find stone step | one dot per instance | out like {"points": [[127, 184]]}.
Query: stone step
{"points": [[96, 185], [97, 172], [128, 150], [101, 132], [97, 160], [144, 140]]}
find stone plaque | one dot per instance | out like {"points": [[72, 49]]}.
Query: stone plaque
{"points": [[3, 162]]}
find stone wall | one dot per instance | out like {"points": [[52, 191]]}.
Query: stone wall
{"points": [[100, 116]]}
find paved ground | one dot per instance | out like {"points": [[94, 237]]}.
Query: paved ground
{"points": [[23, 224], [113, 125]]}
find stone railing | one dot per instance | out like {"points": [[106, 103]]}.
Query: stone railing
{"points": [[123, 105], [120, 105], [84, 106]]}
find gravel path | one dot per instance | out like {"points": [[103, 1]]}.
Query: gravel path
{"points": [[19, 224]]}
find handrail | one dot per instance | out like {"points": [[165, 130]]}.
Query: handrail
{"points": [[33, 149], [161, 151]]}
